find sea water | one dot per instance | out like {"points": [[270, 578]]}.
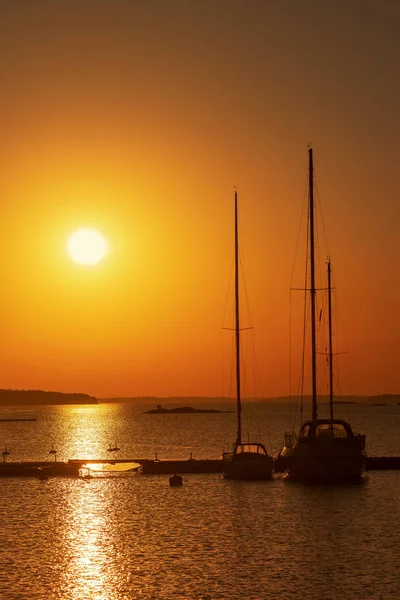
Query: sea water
{"points": [[125, 536]]}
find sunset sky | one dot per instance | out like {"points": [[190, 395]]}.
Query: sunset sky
{"points": [[138, 118]]}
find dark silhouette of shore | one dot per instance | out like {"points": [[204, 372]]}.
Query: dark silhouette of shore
{"points": [[40, 397]]}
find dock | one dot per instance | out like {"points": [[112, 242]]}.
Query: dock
{"points": [[383, 463], [72, 468], [37, 469]]}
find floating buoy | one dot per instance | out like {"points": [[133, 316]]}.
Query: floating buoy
{"points": [[42, 475], [175, 480]]}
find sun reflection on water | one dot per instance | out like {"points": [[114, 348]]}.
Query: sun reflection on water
{"points": [[87, 541], [91, 431]]}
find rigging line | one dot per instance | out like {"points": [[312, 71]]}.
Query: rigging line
{"points": [[305, 203], [290, 350], [304, 321], [322, 334], [222, 363], [339, 327], [243, 356], [335, 309], [244, 379], [303, 358], [335, 329], [224, 317], [256, 370], [228, 295], [248, 390], [231, 368], [251, 322], [322, 339], [321, 216], [300, 385], [246, 295]]}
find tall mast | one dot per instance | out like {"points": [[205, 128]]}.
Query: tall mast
{"points": [[237, 327], [312, 289], [330, 341]]}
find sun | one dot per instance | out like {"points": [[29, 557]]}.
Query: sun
{"points": [[87, 247]]}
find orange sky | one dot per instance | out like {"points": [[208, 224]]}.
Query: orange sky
{"points": [[138, 119]]}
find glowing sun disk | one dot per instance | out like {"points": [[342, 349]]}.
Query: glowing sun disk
{"points": [[87, 247]]}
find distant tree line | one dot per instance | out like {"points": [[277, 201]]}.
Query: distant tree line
{"points": [[10, 397]]}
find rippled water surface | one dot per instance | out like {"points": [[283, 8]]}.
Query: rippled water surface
{"points": [[125, 536]]}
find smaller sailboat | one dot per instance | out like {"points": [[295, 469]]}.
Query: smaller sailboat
{"points": [[247, 461], [325, 449]]}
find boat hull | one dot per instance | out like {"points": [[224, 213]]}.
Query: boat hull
{"points": [[314, 465], [247, 469], [325, 450]]}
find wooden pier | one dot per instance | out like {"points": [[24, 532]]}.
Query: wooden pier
{"points": [[147, 466], [381, 463], [36, 469]]}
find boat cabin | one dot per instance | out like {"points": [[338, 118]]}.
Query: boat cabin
{"points": [[321, 430], [252, 448], [324, 427]]}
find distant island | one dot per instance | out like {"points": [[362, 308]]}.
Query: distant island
{"points": [[181, 409], [40, 397]]}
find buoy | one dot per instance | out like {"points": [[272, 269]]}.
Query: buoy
{"points": [[42, 475], [175, 480]]}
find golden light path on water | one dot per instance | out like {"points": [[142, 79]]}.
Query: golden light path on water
{"points": [[88, 437], [87, 567], [88, 440]]}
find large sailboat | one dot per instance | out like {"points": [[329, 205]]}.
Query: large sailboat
{"points": [[325, 449], [248, 460]]}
